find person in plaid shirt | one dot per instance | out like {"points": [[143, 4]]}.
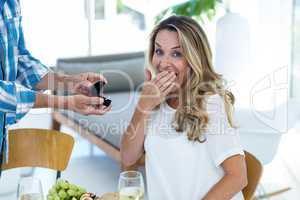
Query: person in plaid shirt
{"points": [[23, 78]]}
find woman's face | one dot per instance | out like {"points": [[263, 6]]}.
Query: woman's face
{"points": [[168, 56]]}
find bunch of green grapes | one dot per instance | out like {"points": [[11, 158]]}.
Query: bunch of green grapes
{"points": [[63, 190]]}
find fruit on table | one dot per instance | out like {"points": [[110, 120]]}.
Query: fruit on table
{"points": [[63, 190], [89, 196]]}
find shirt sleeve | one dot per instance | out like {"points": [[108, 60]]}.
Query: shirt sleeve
{"points": [[30, 70], [223, 140], [15, 99]]}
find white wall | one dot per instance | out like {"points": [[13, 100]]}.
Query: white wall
{"points": [[55, 28], [59, 28], [260, 73]]}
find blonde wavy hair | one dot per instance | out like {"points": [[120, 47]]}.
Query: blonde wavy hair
{"points": [[191, 114]]}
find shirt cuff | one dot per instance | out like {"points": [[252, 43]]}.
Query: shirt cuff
{"points": [[31, 71], [43, 71], [25, 99]]}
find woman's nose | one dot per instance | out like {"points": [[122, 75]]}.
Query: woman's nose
{"points": [[165, 62]]}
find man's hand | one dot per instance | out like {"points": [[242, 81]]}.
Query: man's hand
{"points": [[78, 103], [87, 105], [79, 83], [83, 82]]}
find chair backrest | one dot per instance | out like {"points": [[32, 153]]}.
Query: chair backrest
{"points": [[254, 172], [38, 148]]}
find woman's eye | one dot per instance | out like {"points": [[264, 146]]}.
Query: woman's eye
{"points": [[177, 54], [158, 51]]}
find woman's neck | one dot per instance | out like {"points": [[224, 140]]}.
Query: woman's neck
{"points": [[173, 102]]}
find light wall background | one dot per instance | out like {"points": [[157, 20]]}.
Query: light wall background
{"points": [[59, 28]]}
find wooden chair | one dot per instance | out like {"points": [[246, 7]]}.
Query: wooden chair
{"points": [[254, 173], [39, 148]]}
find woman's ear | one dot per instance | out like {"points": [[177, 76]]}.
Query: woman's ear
{"points": [[148, 74]]}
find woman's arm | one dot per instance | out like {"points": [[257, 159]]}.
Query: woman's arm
{"points": [[234, 180], [132, 146], [153, 93]]}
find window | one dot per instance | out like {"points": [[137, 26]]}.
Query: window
{"points": [[99, 9], [55, 29], [114, 30]]}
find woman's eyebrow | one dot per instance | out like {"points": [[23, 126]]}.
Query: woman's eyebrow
{"points": [[176, 47]]}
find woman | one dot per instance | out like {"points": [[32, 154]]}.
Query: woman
{"points": [[183, 121]]}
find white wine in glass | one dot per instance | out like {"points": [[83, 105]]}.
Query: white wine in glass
{"points": [[131, 186], [30, 188]]}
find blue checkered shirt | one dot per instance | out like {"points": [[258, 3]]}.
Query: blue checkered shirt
{"points": [[20, 72]]}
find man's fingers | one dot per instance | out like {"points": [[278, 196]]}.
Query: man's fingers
{"points": [[95, 100], [85, 84], [103, 109], [83, 87], [97, 110], [94, 77]]}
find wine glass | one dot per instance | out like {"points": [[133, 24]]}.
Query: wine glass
{"points": [[131, 186], [30, 188]]}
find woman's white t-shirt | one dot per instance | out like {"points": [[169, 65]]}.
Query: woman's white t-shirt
{"points": [[179, 169]]}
